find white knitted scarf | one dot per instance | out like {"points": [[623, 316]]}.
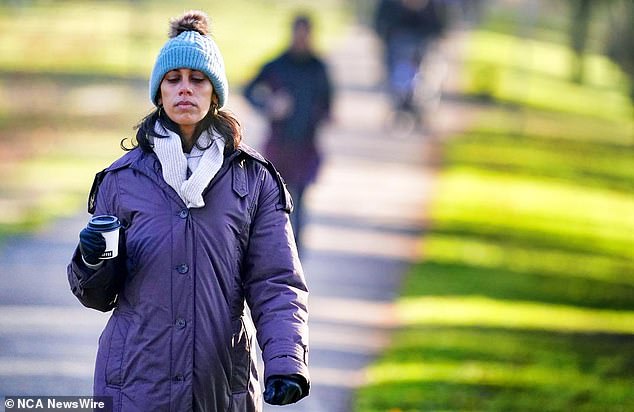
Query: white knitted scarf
{"points": [[203, 164]]}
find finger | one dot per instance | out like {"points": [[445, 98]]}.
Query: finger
{"points": [[270, 394], [292, 392], [94, 244], [91, 237]]}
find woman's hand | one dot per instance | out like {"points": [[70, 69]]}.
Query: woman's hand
{"points": [[279, 106], [91, 245], [283, 390]]}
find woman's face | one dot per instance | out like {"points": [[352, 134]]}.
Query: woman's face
{"points": [[186, 97]]}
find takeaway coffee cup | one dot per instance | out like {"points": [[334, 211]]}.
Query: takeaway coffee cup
{"points": [[108, 226]]}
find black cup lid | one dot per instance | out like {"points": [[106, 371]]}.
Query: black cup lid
{"points": [[104, 222]]}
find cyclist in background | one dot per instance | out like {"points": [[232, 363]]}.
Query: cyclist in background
{"points": [[407, 28]]}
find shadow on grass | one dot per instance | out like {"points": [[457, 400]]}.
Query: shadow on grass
{"points": [[447, 279], [538, 238], [474, 368], [478, 367], [605, 165], [74, 77]]}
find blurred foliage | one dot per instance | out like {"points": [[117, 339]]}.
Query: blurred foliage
{"points": [[524, 299]]}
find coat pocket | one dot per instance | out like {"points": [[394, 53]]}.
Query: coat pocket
{"points": [[240, 357], [116, 350]]}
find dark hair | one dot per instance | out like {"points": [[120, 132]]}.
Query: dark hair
{"points": [[221, 121], [302, 20]]}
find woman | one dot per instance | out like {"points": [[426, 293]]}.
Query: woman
{"points": [[204, 230]]}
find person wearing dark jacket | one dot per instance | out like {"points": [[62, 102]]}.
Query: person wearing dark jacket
{"points": [[406, 29], [205, 232], [294, 92]]}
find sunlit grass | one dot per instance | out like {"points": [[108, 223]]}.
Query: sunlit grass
{"points": [[525, 297], [541, 58], [480, 252], [529, 263], [606, 166], [551, 212], [485, 373], [457, 368], [542, 126], [53, 182], [536, 74], [484, 312]]}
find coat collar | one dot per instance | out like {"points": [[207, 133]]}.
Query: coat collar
{"points": [[148, 164]]}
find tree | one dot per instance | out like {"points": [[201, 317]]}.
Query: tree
{"points": [[580, 22], [620, 43]]}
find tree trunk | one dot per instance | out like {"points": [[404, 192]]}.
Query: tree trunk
{"points": [[578, 35]]}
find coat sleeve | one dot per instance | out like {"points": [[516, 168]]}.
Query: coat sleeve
{"points": [[258, 90], [98, 289], [275, 287]]}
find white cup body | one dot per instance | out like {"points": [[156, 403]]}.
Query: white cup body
{"points": [[112, 244]]}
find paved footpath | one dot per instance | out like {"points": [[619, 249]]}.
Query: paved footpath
{"points": [[366, 214]]}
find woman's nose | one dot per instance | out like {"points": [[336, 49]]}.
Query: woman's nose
{"points": [[185, 89]]}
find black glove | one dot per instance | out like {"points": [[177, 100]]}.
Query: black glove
{"points": [[283, 390], [91, 245]]}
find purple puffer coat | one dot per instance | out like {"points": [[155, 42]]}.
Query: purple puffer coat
{"points": [[178, 339]]}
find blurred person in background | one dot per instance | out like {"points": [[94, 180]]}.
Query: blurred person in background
{"points": [[407, 29], [294, 93], [204, 230]]}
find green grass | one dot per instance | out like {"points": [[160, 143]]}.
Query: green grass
{"points": [[54, 180], [496, 368], [534, 73], [525, 297], [525, 301]]}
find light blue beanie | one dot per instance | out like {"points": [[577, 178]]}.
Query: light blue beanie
{"points": [[190, 47]]}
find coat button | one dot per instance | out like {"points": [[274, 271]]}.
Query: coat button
{"points": [[180, 323], [179, 378], [183, 213], [182, 269]]}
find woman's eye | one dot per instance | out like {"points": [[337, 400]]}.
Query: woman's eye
{"points": [[172, 79], [198, 79]]}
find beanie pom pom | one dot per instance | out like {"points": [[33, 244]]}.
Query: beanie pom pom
{"points": [[193, 20]]}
